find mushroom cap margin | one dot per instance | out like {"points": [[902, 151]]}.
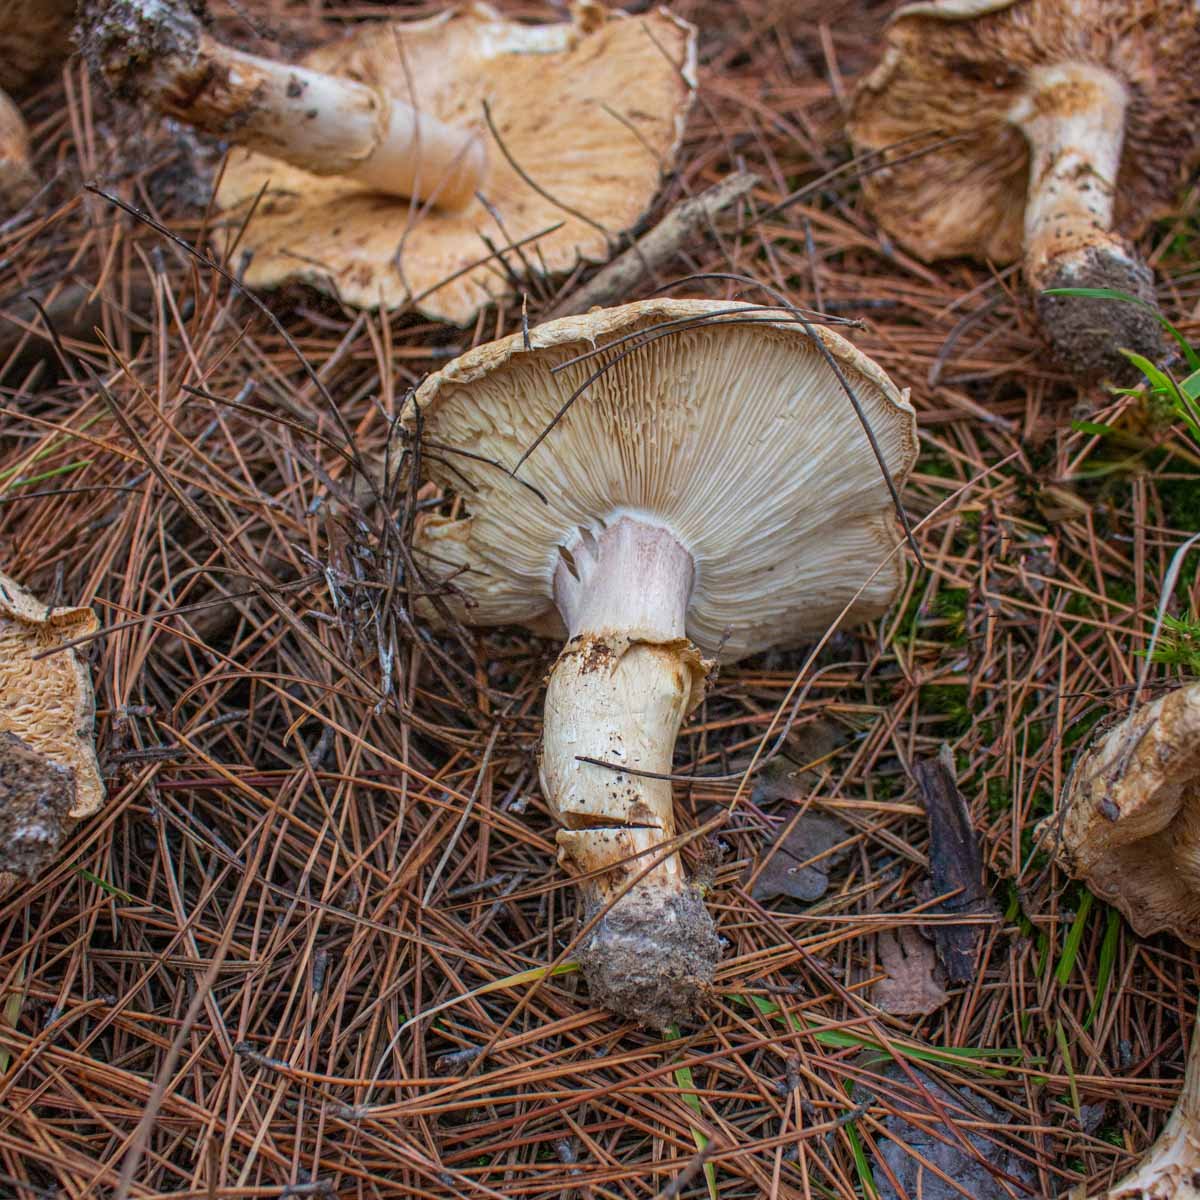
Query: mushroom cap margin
{"points": [[732, 431]]}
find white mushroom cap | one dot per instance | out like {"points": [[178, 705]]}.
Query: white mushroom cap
{"points": [[48, 702], [735, 434], [591, 110]]}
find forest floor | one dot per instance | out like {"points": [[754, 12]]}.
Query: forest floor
{"points": [[302, 951]]}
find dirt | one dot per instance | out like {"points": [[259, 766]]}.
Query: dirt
{"points": [[1088, 334], [652, 959]]}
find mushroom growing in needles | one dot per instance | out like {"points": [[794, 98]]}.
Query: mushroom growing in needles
{"points": [[709, 494], [1066, 129], [1129, 825], [435, 162], [48, 770]]}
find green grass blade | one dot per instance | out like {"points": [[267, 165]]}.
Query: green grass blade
{"points": [[1108, 961], [105, 886], [686, 1081], [958, 1056], [1065, 1050], [1070, 953], [1093, 427], [865, 1175]]}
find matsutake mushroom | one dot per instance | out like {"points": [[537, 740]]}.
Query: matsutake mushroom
{"points": [[388, 166], [49, 775], [710, 493], [1067, 128]]}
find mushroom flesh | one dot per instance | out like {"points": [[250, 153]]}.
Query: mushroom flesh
{"points": [[49, 775]]}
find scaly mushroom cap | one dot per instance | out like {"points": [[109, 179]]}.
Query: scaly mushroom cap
{"points": [[35, 36], [1131, 825], [48, 702], [958, 67], [591, 110], [731, 431]]}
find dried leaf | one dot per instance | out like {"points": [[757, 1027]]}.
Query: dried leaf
{"points": [[912, 987], [798, 862]]}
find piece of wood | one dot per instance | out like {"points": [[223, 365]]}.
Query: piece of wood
{"points": [[955, 865], [653, 250]]}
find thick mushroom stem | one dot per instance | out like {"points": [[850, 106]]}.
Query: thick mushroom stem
{"points": [[17, 180], [618, 693], [157, 52], [1170, 1169], [1073, 116]]}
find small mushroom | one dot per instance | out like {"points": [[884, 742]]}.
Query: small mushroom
{"points": [[383, 183], [35, 36], [48, 769], [708, 495], [1068, 128], [1130, 822]]}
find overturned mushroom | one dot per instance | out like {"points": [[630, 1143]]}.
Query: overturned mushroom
{"points": [[48, 770], [1130, 821], [1067, 127], [709, 494], [383, 181]]}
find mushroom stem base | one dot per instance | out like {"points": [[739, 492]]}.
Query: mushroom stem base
{"points": [[1087, 333], [1073, 116]]}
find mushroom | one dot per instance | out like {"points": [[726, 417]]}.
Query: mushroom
{"points": [[370, 170], [1129, 826], [1170, 1169], [18, 182], [1068, 128], [709, 494], [49, 775], [35, 36], [1131, 817]]}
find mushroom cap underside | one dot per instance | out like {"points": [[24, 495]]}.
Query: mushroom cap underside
{"points": [[591, 111], [48, 702], [1131, 821], [952, 73], [723, 422]]}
